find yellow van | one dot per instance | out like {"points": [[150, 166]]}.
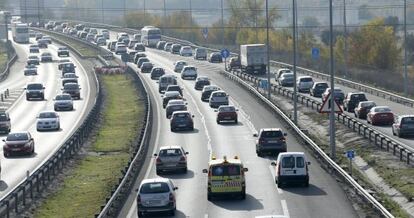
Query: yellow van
{"points": [[226, 178]]}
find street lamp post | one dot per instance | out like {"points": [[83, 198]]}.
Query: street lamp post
{"points": [[268, 50], [405, 50], [345, 43], [222, 24], [332, 99], [102, 12], [295, 87]]}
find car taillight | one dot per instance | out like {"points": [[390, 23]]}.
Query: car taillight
{"points": [[171, 197], [139, 199], [182, 159], [283, 139], [261, 141], [158, 160], [278, 170]]}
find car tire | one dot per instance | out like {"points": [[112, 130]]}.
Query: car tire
{"points": [[209, 197], [399, 134], [259, 153], [218, 121], [393, 132], [6, 154], [306, 183], [158, 172], [279, 184], [185, 170], [172, 129], [236, 121], [140, 214], [243, 195], [27, 98], [172, 212]]}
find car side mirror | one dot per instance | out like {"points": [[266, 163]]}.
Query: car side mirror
{"points": [[309, 163], [255, 134], [237, 109], [4, 140], [215, 110], [192, 116], [186, 152], [136, 190], [155, 155], [204, 170], [43, 88], [273, 163], [284, 134], [175, 188], [24, 88], [245, 169]]}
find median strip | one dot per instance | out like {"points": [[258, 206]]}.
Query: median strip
{"points": [[86, 186]]}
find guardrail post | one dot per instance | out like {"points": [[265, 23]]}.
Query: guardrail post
{"points": [[388, 145], [16, 202], [394, 148], [401, 153], [408, 157], [8, 92], [2, 97], [24, 195]]}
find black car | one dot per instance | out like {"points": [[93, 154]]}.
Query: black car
{"points": [[139, 55], [207, 90], [142, 60], [131, 55], [181, 120], [174, 105], [68, 69], [270, 140], [33, 60], [234, 63], [161, 44], [157, 72], [175, 49], [139, 47], [352, 99], [63, 51], [46, 57], [318, 88], [215, 57], [170, 96], [201, 82], [146, 67], [42, 43], [72, 89], [35, 91]]}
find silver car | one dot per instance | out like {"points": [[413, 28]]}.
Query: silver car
{"points": [[48, 120], [171, 158], [63, 102], [156, 195], [179, 65], [218, 98]]}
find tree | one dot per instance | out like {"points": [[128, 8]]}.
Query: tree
{"points": [[375, 45], [393, 22], [325, 35], [310, 22]]}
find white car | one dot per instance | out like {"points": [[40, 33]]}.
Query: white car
{"points": [[218, 98], [120, 48], [48, 120], [63, 102], [304, 83], [186, 51], [291, 167], [105, 33], [179, 65], [189, 72], [156, 195]]}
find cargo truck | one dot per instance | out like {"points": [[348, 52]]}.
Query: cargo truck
{"points": [[253, 58]]}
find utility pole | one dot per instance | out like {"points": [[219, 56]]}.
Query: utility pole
{"points": [[38, 11], [268, 51], [145, 13], [332, 99], [222, 24], [295, 87], [405, 50], [164, 18], [191, 21], [102, 11], [255, 20], [347, 74]]}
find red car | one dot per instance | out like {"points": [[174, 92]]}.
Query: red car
{"points": [[380, 115], [18, 142], [226, 113]]}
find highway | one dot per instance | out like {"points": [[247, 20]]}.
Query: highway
{"points": [[323, 198], [23, 113]]}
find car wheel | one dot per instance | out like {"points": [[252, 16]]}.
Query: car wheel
{"points": [[27, 98], [243, 195], [33, 151], [399, 134], [158, 171], [6, 154], [209, 197], [218, 121], [236, 120], [140, 214], [172, 212], [393, 132], [306, 183], [185, 170], [259, 154], [279, 184], [172, 129]]}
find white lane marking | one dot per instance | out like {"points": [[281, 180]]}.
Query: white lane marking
{"points": [[285, 208], [271, 216], [272, 171]]}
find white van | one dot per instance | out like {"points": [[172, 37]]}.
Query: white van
{"points": [[291, 167], [165, 81], [304, 83]]}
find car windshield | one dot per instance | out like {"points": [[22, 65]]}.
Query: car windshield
{"points": [[225, 170], [227, 109], [63, 97], [382, 109], [367, 104], [272, 134], [47, 115], [287, 75], [3, 117], [170, 153], [190, 68], [154, 187], [17, 137], [71, 86], [182, 115], [34, 86], [321, 85]]}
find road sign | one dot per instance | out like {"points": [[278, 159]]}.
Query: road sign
{"points": [[263, 83], [326, 106], [204, 31], [315, 53], [350, 154], [225, 53]]}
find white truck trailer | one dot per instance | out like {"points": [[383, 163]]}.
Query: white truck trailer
{"points": [[253, 58]]}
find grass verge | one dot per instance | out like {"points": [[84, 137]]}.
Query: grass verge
{"points": [[90, 182], [3, 56]]}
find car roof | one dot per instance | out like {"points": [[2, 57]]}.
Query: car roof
{"points": [[219, 91], [270, 129], [19, 132], [171, 93], [181, 112], [170, 147], [152, 180], [176, 101], [32, 83], [220, 161], [302, 77], [291, 153]]}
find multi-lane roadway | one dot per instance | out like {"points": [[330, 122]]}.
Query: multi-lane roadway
{"points": [[23, 113]]}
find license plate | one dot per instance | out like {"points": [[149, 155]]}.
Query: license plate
{"points": [[16, 149], [153, 202], [257, 67], [272, 141], [227, 118], [181, 125], [384, 115]]}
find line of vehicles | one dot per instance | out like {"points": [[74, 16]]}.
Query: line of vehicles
{"points": [[22, 142], [225, 176], [353, 102]]}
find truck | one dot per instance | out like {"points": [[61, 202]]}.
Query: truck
{"points": [[20, 32], [253, 58]]}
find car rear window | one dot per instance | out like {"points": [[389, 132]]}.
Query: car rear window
{"points": [[154, 187], [271, 134], [3, 117], [71, 86], [219, 94], [227, 109], [63, 97], [47, 115], [300, 162], [17, 137], [190, 68], [358, 96], [382, 110], [182, 115], [170, 152], [368, 104], [288, 162], [321, 85], [306, 79], [407, 120], [225, 170]]}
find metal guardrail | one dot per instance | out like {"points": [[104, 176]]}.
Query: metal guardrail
{"points": [[119, 196], [9, 63], [382, 141], [25, 192], [317, 150]]}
